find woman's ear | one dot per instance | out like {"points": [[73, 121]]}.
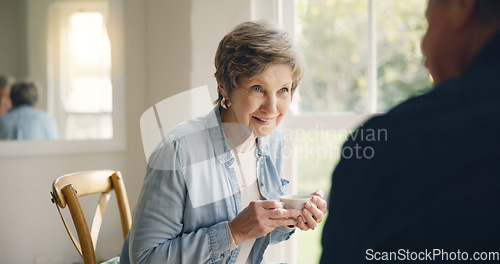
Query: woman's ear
{"points": [[221, 90]]}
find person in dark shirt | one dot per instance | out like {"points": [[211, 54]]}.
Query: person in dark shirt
{"points": [[430, 189]]}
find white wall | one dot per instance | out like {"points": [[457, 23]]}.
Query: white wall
{"points": [[169, 48], [210, 21], [13, 36]]}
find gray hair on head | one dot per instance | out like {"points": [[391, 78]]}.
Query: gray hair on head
{"points": [[249, 49], [24, 93]]}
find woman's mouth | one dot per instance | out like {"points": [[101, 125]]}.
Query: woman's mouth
{"points": [[263, 120]]}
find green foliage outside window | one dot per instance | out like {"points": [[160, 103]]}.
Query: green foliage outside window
{"points": [[333, 35], [400, 69]]}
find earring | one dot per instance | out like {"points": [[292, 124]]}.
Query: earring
{"points": [[225, 103]]}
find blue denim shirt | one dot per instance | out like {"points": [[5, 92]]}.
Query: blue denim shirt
{"points": [[191, 190]]}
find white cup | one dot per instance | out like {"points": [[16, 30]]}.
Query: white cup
{"points": [[296, 201]]}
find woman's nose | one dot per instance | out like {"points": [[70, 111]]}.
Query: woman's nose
{"points": [[269, 105]]}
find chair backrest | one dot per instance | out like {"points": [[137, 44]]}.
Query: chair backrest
{"points": [[66, 191]]}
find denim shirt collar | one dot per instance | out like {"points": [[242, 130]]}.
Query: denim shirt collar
{"points": [[221, 147]]}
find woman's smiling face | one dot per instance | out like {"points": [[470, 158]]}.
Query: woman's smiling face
{"points": [[260, 102]]}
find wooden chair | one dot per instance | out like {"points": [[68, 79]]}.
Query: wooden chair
{"points": [[67, 189]]}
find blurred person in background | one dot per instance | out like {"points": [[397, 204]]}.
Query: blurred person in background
{"points": [[24, 121]]}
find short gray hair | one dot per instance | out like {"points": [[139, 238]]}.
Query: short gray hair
{"points": [[250, 49], [24, 93]]}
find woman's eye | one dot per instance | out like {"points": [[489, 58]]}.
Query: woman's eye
{"points": [[284, 90], [256, 88]]}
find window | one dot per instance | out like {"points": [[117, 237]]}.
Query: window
{"points": [[80, 72], [363, 57]]}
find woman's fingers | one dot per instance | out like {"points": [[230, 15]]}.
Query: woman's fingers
{"points": [[260, 218], [282, 213], [309, 218], [302, 223], [284, 222], [270, 204], [319, 193], [313, 212], [320, 203], [306, 221]]}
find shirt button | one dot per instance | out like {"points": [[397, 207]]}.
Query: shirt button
{"points": [[262, 184], [221, 256]]}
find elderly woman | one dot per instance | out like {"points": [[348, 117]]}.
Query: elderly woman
{"points": [[212, 186]]}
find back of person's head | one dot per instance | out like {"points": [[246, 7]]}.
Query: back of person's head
{"points": [[250, 48], [24, 93]]}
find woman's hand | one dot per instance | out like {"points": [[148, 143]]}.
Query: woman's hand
{"points": [[260, 218], [312, 215]]}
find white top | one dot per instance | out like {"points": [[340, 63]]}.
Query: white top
{"points": [[246, 172]]}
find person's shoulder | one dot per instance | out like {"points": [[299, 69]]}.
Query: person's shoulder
{"points": [[412, 110], [185, 139], [447, 98], [4, 117], [27, 111], [444, 109], [43, 114], [406, 120], [190, 127], [12, 115]]}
